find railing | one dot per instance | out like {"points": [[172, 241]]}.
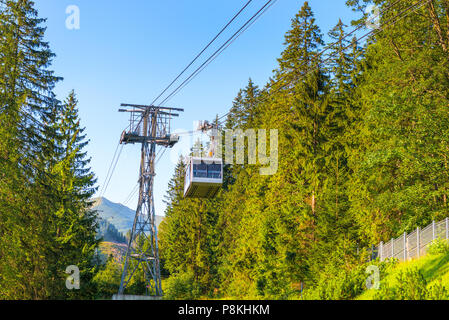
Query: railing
{"points": [[412, 245]]}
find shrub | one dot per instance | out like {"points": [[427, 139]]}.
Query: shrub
{"points": [[182, 287], [410, 285], [437, 291], [438, 246], [342, 286], [108, 279], [386, 293]]}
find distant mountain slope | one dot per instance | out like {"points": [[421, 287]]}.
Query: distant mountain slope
{"points": [[117, 250], [117, 214], [109, 232]]}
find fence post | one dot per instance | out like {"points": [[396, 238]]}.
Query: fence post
{"points": [[447, 228], [433, 230], [405, 246], [381, 250], [392, 248], [418, 238]]}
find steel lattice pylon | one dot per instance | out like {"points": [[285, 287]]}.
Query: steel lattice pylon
{"points": [[149, 126]]}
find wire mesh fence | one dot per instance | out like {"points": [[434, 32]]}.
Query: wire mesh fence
{"points": [[412, 245]]}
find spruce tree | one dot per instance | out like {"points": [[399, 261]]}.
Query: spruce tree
{"points": [[75, 223], [337, 232], [188, 235], [299, 111], [398, 182], [244, 112], [26, 96]]}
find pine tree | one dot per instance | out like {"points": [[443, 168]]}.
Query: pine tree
{"points": [[175, 191], [398, 181], [26, 96], [363, 156], [299, 112], [188, 235], [337, 232], [75, 224], [269, 223], [108, 279], [244, 112]]}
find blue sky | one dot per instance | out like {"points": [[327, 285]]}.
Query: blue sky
{"points": [[128, 51]]}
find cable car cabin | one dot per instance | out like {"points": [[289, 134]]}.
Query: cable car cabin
{"points": [[204, 177]]}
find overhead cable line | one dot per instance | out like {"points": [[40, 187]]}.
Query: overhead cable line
{"points": [[328, 47], [136, 187], [391, 21], [218, 51], [193, 76], [159, 159], [131, 195], [111, 169], [237, 34], [203, 50], [375, 31]]}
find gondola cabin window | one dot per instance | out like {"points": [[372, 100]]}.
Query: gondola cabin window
{"points": [[204, 177]]}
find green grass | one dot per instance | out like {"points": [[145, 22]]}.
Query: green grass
{"points": [[434, 268]]}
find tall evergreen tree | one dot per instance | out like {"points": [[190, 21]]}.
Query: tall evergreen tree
{"points": [[338, 239], [362, 157], [299, 112], [26, 96], [244, 112], [45, 222], [188, 235], [398, 182], [74, 223]]}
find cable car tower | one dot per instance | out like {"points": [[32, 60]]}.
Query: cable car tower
{"points": [[149, 126]]}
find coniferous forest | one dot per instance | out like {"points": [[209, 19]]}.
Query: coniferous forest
{"points": [[46, 183], [363, 157]]}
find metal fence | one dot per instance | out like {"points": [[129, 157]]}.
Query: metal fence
{"points": [[412, 245]]}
